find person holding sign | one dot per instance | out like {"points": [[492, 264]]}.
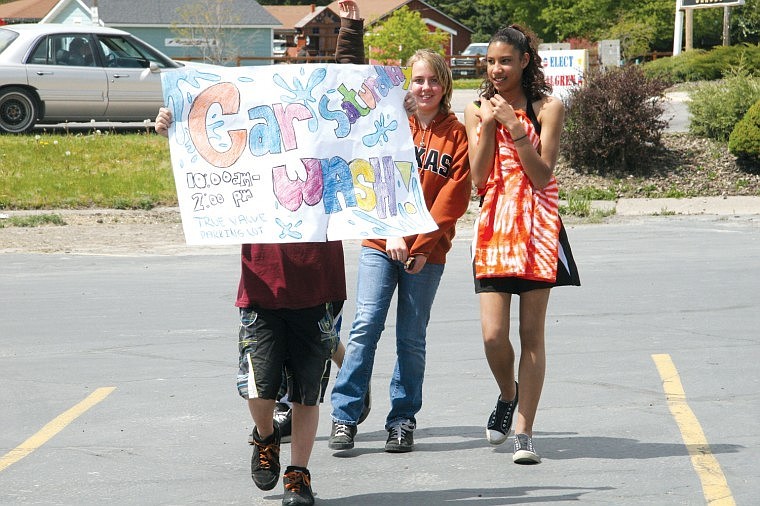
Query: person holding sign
{"points": [[412, 264], [520, 245], [288, 297]]}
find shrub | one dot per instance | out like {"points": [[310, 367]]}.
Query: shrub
{"points": [[677, 69], [614, 120], [717, 107], [702, 65], [744, 142]]}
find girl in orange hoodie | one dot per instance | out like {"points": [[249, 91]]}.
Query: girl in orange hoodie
{"points": [[412, 265]]}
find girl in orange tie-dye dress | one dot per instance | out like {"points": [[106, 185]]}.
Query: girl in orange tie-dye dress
{"points": [[520, 245]]}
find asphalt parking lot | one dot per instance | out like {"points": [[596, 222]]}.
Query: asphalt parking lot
{"points": [[118, 382]]}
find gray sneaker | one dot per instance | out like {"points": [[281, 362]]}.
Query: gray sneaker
{"points": [[342, 436], [400, 437], [525, 453]]}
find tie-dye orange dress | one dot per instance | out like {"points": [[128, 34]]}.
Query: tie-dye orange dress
{"points": [[518, 232]]}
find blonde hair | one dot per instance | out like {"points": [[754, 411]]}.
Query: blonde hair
{"points": [[442, 73]]}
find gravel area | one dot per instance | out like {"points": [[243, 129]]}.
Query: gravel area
{"points": [[689, 167]]}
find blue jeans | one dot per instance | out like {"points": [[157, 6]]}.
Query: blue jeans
{"points": [[378, 278]]}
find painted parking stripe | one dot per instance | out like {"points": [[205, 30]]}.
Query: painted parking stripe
{"points": [[53, 427], [714, 485]]}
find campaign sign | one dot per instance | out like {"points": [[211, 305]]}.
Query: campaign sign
{"points": [[564, 69], [293, 153]]}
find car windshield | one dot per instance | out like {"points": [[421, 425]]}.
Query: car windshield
{"points": [[6, 37], [480, 49]]}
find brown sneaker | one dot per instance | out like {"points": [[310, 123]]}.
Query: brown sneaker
{"points": [[297, 481], [265, 461]]}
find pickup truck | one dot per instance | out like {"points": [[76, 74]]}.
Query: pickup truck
{"points": [[471, 63]]}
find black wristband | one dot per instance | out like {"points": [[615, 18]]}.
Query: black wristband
{"points": [[520, 138]]}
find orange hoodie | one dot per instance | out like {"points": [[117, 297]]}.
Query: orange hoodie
{"points": [[444, 170]]}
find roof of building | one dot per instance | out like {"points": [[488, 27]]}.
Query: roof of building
{"points": [[294, 16], [164, 12], [26, 9]]}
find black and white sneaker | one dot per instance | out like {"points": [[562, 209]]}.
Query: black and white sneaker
{"points": [[283, 415], [342, 436], [400, 437], [500, 421], [525, 453]]}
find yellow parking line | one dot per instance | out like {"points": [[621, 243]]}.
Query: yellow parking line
{"points": [[53, 427], [714, 485]]}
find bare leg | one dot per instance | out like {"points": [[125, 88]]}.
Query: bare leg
{"points": [[532, 366], [337, 357], [305, 423], [261, 412], [494, 318]]}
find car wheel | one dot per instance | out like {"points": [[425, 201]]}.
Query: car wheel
{"points": [[18, 111]]}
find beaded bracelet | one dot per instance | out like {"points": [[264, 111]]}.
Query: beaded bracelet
{"points": [[519, 138]]}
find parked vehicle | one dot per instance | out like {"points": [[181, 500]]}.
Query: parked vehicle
{"points": [[279, 47], [54, 73], [471, 63]]}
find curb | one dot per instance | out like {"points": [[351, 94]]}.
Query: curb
{"points": [[722, 206]]}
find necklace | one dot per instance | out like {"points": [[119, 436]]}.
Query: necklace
{"points": [[425, 130]]}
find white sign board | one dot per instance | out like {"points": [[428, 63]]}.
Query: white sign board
{"points": [[189, 42], [564, 69], [293, 153], [698, 4]]}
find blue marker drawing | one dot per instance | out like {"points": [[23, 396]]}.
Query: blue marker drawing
{"points": [[381, 131], [172, 83], [287, 229], [303, 93]]}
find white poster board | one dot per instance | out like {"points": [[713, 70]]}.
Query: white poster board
{"points": [[293, 153], [564, 69]]}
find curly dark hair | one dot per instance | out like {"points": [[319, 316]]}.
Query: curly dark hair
{"points": [[533, 80]]}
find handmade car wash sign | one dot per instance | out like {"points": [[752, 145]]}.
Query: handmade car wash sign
{"points": [[293, 153], [564, 69]]}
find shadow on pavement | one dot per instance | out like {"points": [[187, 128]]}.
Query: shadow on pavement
{"points": [[480, 496], [551, 445]]}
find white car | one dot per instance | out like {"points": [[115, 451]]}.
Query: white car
{"points": [[54, 73]]}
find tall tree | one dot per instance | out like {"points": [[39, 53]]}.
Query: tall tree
{"points": [[646, 26], [207, 25], [399, 36], [580, 18], [745, 22], [484, 17]]}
